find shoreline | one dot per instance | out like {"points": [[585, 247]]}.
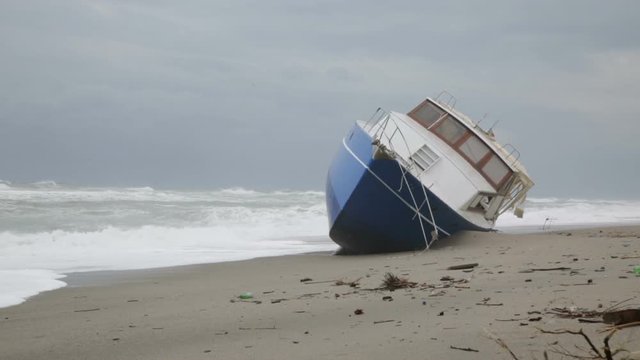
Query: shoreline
{"points": [[114, 277], [107, 277], [31, 282], [193, 311], [102, 277]]}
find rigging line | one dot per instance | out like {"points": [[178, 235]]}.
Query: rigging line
{"points": [[387, 186], [434, 234], [424, 234]]}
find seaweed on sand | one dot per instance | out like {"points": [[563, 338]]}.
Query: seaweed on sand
{"points": [[393, 282]]}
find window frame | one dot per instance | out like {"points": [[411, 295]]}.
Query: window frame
{"points": [[414, 113], [479, 165]]}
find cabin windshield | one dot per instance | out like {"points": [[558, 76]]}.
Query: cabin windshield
{"points": [[427, 113], [464, 141]]}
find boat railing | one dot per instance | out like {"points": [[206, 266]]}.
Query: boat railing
{"points": [[386, 126], [515, 194], [512, 153], [446, 99], [377, 117]]}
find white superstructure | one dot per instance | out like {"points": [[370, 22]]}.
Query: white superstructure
{"points": [[455, 159]]}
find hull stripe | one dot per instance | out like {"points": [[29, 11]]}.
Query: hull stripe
{"points": [[389, 188]]}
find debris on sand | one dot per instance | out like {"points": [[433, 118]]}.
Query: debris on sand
{"points": [[562, 268], [463, 349], [462, 267], [574, 312], [485, 302], [621, 317], [393, 282], [612, 315], [354, 284]]}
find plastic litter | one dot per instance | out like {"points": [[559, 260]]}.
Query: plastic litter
{"points": [[246, 296]]}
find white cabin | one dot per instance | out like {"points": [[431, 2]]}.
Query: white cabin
{"points": [[458, 161]]}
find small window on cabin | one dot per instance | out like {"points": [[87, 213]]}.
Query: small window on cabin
{"points": [[427, 114], [450, 130], [474, 149], [495, 169]]}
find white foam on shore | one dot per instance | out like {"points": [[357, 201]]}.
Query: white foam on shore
{"points": [[18, 285], [148, 247], [547, 213], [61, 252], [51, 229], [62, 230]]}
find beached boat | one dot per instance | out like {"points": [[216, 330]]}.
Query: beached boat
{"points": [[401, 181]]}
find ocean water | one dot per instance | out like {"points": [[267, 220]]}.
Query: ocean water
{"points": [[48, 230]]}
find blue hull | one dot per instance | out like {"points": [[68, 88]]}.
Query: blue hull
{"points": [[370, 209]]}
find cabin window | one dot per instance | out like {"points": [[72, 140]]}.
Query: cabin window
{"points": [[461, 139], [495, 169], [474, 149], [450, 130], [426, 114]]}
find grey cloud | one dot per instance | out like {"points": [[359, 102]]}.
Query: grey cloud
{"points": [[258, 94]]}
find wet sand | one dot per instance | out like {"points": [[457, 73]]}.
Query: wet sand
{"points": [[193, 312]]}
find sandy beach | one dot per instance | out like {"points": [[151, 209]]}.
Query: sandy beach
{"points": [[303, 306]]}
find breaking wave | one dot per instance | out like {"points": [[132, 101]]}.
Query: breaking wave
{"points": [[49, 229]]}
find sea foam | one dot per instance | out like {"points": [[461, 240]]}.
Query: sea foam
{"points": [[547, 213], [17, 285], [48, 230]]}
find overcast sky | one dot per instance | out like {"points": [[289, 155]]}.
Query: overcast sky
{"points": [[211, 94]]}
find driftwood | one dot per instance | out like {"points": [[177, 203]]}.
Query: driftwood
{"points": [[607, 352], [463, 349], [545, 269], [575, 313], [579, 332], [485, 302], [609, 315], [318, 282], [621, 317], [353, 284], [501, 342], [590, 321], [623, 326], [259, 328], [462, 267]]}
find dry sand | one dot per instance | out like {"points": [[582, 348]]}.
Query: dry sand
{"points": [[194, 312]]}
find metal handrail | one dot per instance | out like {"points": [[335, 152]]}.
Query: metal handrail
{"points": [[450, 103], [376, 118], [383, 116], [511, 153]]}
